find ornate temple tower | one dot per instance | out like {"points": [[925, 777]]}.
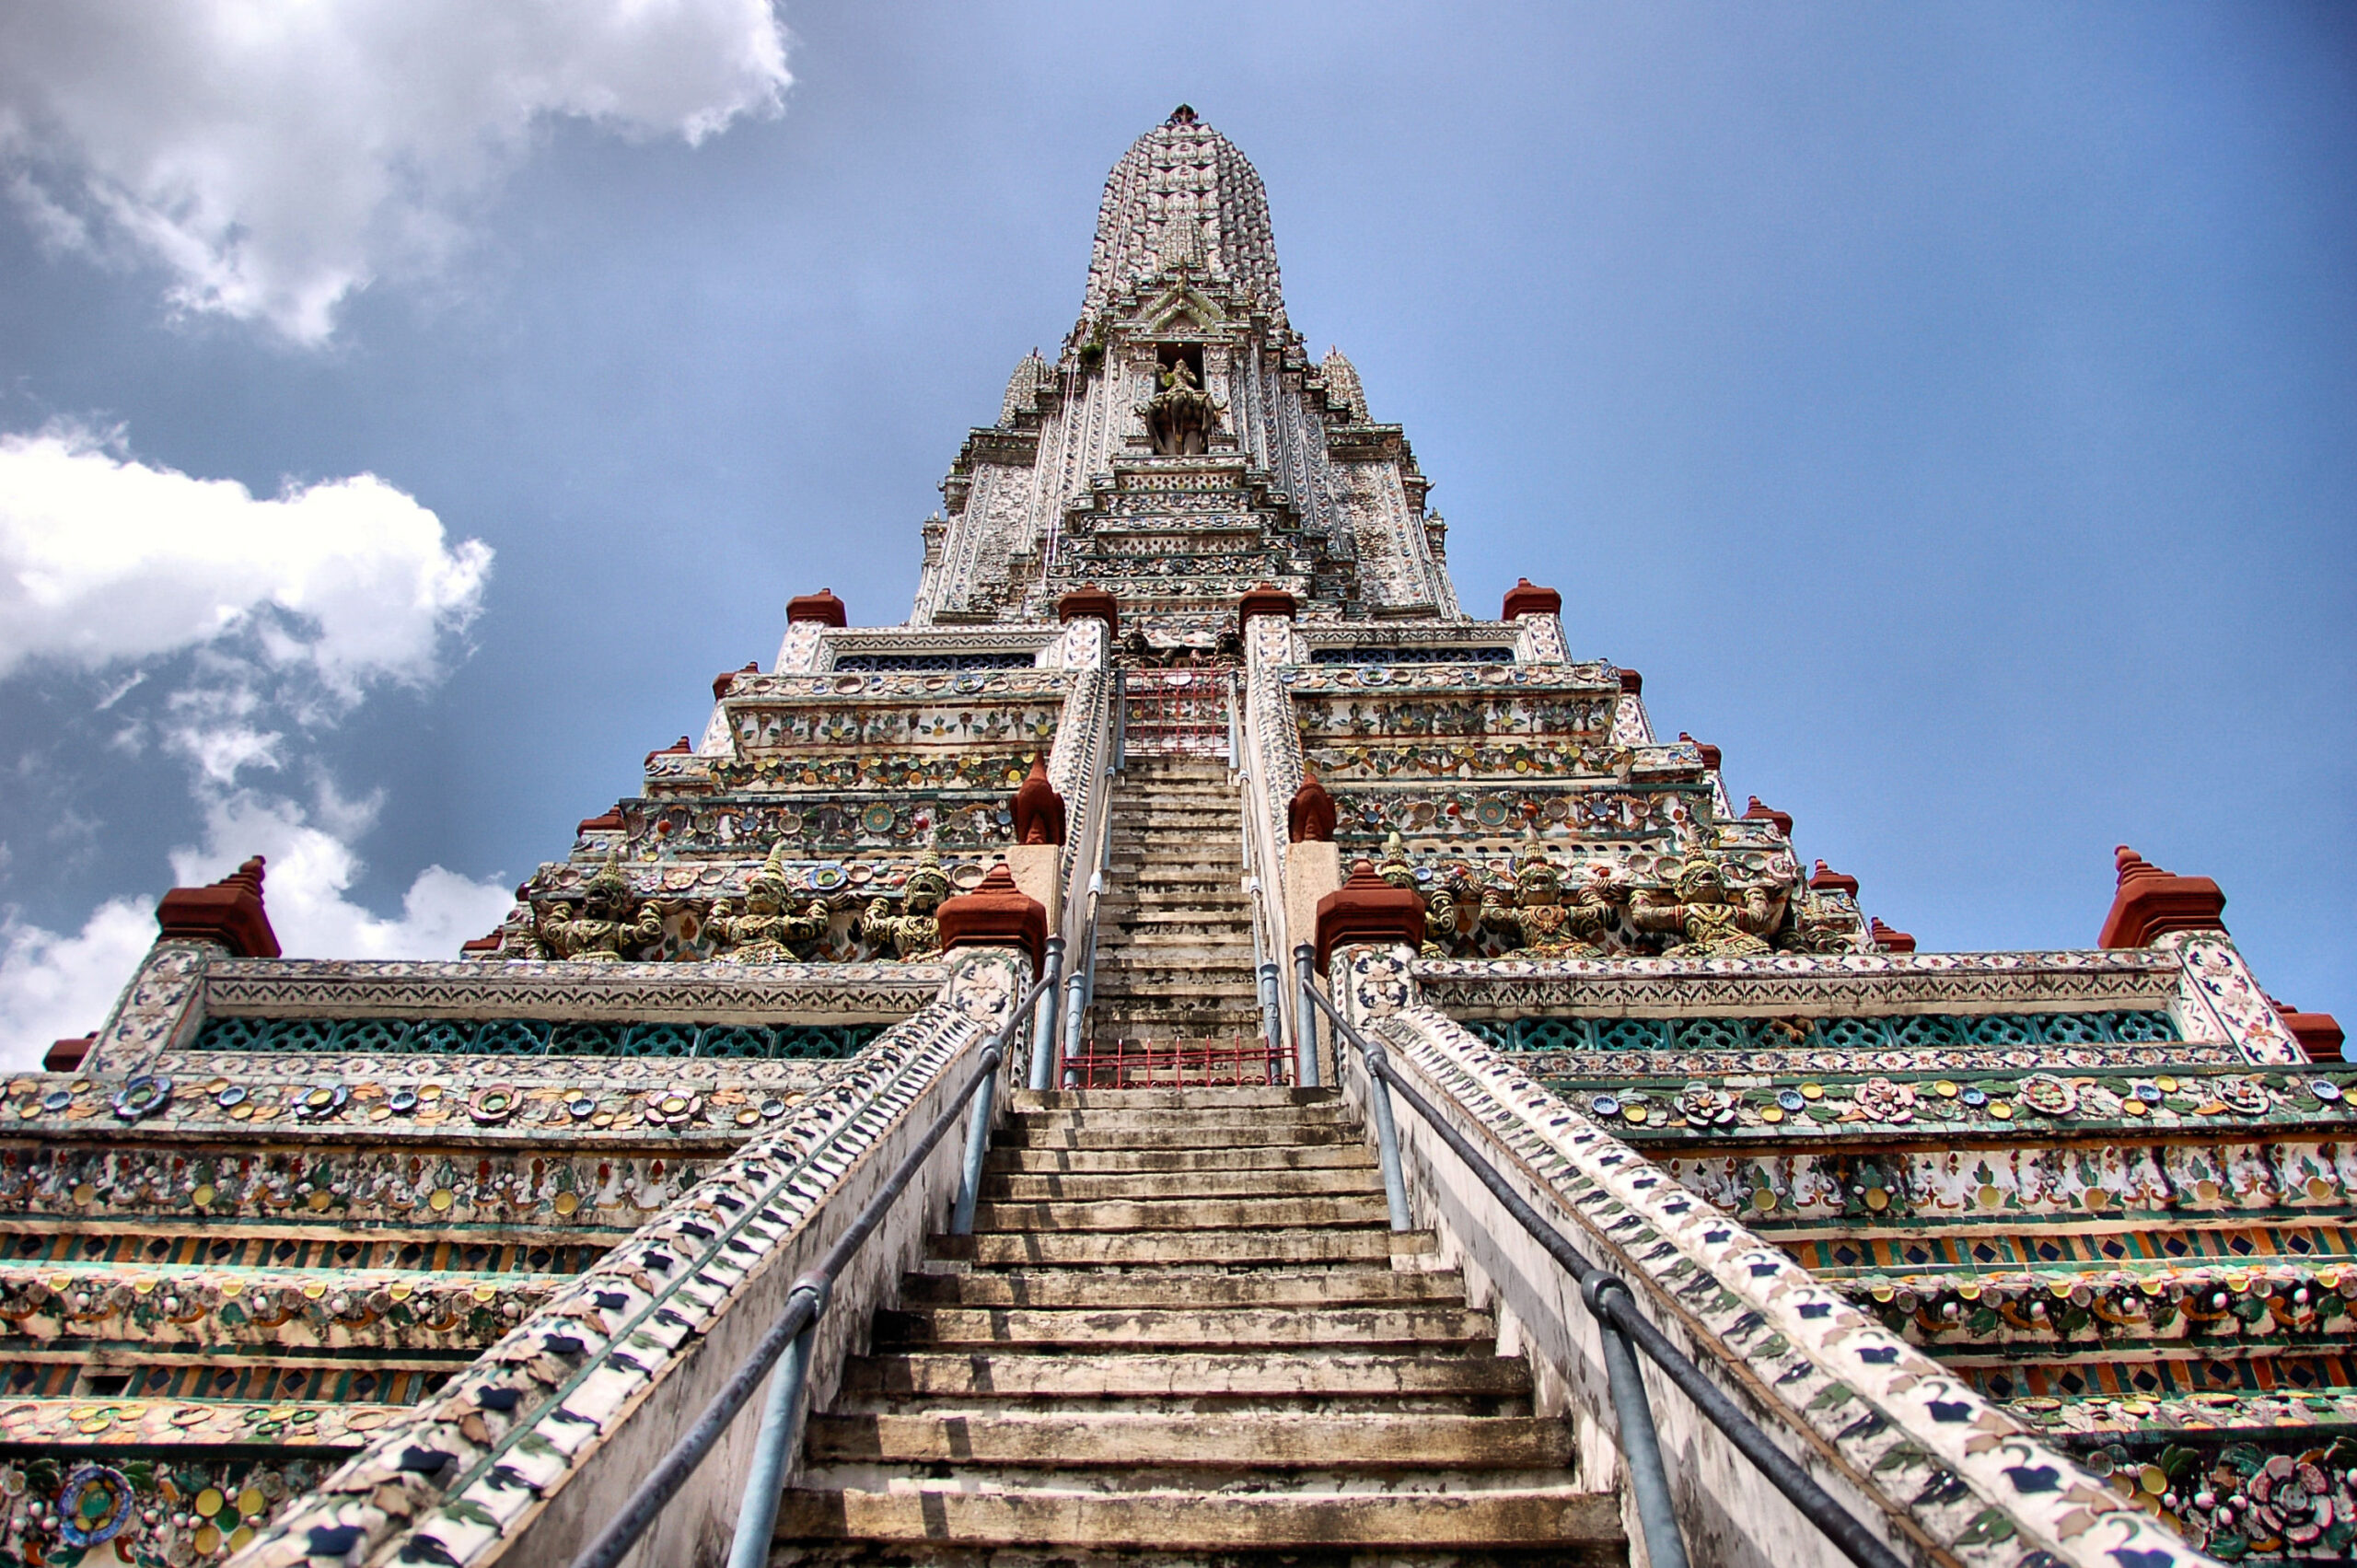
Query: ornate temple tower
{"points": [[1186, 745]]}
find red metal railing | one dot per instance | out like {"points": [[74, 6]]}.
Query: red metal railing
{"points": [[1178, 713], [1239, 1062]]}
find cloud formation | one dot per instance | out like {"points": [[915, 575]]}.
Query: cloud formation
{"points": [[274, 156], [55, 985], [105, 559], [221, 624]]}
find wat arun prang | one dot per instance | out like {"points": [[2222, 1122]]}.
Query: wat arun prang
{"points": [[2050, 1254]]}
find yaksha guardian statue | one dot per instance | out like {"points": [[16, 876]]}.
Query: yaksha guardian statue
{"points": [[1712, 921], [1541, 923], [603, 927], [764, 932], [915, 932]]}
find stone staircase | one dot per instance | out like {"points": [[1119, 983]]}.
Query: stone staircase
{"points": [[1174, 946], [1182, 1333]]}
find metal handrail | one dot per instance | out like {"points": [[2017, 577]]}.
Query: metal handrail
{"points": [[1612, 1303], [1052, 1028], [805, 1301]]}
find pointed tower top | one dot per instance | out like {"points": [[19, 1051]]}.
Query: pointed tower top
{"points": [[1182, 190]]}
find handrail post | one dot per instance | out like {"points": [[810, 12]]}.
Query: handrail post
{"points": [[1305, 1031], [1044, 1032], [1272, 1024], [1387, 1131], [781, 1415], [1640, 1443], [978, 1143]]}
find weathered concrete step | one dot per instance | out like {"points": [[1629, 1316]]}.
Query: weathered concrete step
{"points": [[1213, 963], [938, 1513], [1291, 1441], [916, 1554], [1182, 1214], [1096, 1162], [1096, 1289], [1158, 1328], [1176, 1135], [1231, 1249], [1169, 1099], [1137, 1185], [1355, 1374]]}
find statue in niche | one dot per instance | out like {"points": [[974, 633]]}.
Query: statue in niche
{"points": [[1712, 920], [915, 932], [1179, 417], [601, 926], [765, 932]]}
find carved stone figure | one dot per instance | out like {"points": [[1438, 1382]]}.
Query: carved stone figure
{"points": [[1179, 417], [1712, 921], [764, 932], [602, 926], [915, 932], [1541, 923]]}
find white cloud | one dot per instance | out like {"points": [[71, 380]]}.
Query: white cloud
{"points": [[276, 155], [54, 986], [104, 560]]}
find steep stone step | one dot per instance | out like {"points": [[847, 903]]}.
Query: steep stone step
{"points": [[1209, 1213], [1223, 1250], [1172, 1328], [1098, 1289], [1176, 1134], [1288, 1442], [1266, 1374], [939, 1513], [1188, 1100], [1132, 1185], [1110, 1117], [1101, 1162]]}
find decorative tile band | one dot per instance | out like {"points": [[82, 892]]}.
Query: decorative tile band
{"points": [[537, 1036], [1911, 1032]]}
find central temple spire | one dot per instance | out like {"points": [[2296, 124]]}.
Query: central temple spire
{"points": [[1182, 195]]}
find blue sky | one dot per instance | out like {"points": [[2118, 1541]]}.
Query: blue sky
{"points": [[1951, 409]]}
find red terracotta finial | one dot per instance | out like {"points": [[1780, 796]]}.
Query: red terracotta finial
{"points": [[822, 607], [1310, 816], [1632, 683], [67, 1055], [727, 678], [2320, 1034], [1039, 810], [2153, 902], [229, 913], [1368, 911], [1712, 755], [1091, 601], [1827, 880], [1266, 599], [1886, 939], [1523, 599], [995, 915], [1759, 813]]}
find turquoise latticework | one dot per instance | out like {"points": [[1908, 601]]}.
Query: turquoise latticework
{"points": [[1628, 1034], [372, 1035], [1712, 1034], [235, 1034], [1904, 1031], [442, 1035], [510, 1037], [586, 1039], [302, 1034], [2002, 1028], [1849, 1034], [1497, 1034], [660, 1040], [734, 1039]]}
